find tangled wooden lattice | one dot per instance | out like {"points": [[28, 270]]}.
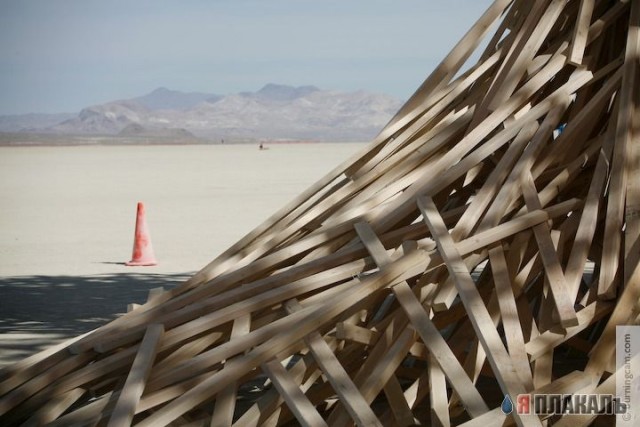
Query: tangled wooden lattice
{"points": [[487, 242]]}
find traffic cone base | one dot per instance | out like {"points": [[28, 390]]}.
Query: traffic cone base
{"points": [[142, 249]]}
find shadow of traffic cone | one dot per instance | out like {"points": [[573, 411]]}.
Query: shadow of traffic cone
{"points": [[142, 249]]}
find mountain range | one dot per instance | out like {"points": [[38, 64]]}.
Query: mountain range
{"points": [[273, 112]]}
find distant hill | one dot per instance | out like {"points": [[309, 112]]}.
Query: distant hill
{"points": [[31, 122], [273, 112], [166, 99]]}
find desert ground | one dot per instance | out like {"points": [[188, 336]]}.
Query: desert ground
{"points": [[67, 217]]}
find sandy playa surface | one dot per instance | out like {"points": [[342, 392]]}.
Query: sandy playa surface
{"points": [[67, 218]]}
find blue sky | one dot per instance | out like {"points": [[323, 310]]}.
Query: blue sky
{"points": [[62, 55]]}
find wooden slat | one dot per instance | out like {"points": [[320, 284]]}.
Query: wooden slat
{"points": [[397, 402], [430, 335], [298, 324], [511, 189], [586, 230], [305, 412], [602, 355], [478, 205], [268, 407], [438, 392], [54, 408], [22, 371], [485, 238], [446, 69], [509, 315], [89, 414], [42, 381], [126, 404], [553, 270], [226, 400], [611, 262], [377, 371], [632, 164], [537, 25], [483, 325], [350, 396], [552, 338], [581, 32]]}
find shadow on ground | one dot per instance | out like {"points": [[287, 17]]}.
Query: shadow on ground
{"points": [[38, 311]]}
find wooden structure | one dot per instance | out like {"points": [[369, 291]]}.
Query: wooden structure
{"points": [[487, 242]]}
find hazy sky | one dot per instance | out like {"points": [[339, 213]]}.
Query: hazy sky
{"points": [[62, 55]]}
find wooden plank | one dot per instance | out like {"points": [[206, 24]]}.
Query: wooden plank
{"points": [[372, 244], [126, 404], [303, 409], [154, 399], [440, 350], [344, 387], [492, 235], [602, 355], [632, 164], [297, 324], [202, 316], [22, 371], [398, 403], [581, 32], [56, 407], [446, 69], [543, 368], [88, 415], [358, 334], [447, 291], [438, 393], [42, 381], [189, 350], [497, 356], [509, 315], [405, 203], [378, 370], [348, 331], [511, 188], [537, 25], [268, 406], [611, 263], [226, 400], [586, 229], [430, 335], [491, 186], [551, 338], [553, 270]]}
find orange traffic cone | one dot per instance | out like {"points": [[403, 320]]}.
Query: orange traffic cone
{"points": [[142, 249]]}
